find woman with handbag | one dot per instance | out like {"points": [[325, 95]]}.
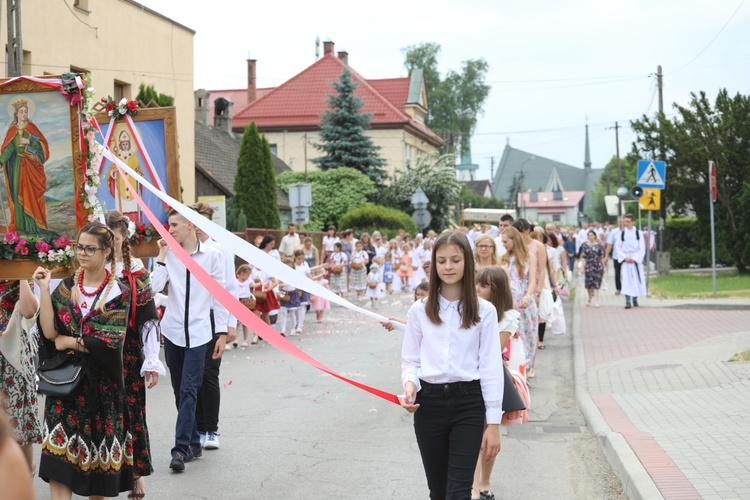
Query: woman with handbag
{"points": [[521, 267], [140, 355], [87, 443], [17, 378], [592, 252]]}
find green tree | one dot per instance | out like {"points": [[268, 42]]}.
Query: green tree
{"points": [[334, 193], [628, 172], [470, 198], [700, 132], [343, 131], [255, 182], [456, 101], [436, 175], [146, 94]]}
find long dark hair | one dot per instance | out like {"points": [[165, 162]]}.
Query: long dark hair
{"points": [[469, 305], [266, 240], [500, 295]]}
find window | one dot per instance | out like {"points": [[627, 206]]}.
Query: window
{"points": [[274, 149], [121, 90], [555, 217], [82, 5]]}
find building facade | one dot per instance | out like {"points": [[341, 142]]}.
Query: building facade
{"points": [[122, 44]]}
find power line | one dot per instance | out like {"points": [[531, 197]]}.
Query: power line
{"points": [[712, 40]]}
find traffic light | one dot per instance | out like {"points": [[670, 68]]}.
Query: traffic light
{"points": [[636, 192]]}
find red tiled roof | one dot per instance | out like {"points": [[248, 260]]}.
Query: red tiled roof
{"points": [[396, 90], [301, 100], [545, 200]]}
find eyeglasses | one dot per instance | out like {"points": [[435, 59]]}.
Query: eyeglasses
{"points": [[484, 247], [88, 251]]}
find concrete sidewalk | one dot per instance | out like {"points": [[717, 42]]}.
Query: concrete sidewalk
{"points": [[671, 413]]}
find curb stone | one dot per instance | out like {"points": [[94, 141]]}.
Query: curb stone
{"points": [[636, 483]]}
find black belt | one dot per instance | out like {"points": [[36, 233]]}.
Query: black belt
{"points": [[452, 386]]}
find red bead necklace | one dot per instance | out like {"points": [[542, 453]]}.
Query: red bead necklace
{"points": [[98, 290]]}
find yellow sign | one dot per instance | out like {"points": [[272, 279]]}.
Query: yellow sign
{"points": [[651, 199]]}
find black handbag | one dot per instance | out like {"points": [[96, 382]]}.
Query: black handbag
{"points": [[60, 373], [511, 399], [61, 381]]}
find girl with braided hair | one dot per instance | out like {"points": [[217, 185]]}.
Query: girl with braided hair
{"points": [[86, 446], [140, 356]]}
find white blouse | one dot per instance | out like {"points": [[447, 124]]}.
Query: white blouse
{"points": [[510, 322], [447, 353]]}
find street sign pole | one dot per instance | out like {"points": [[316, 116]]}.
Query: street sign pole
{"points": [[648, 252], [712, 187]]}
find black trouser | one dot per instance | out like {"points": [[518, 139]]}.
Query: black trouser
{"points": [[449, 425], [209, 395], [618, 267]]}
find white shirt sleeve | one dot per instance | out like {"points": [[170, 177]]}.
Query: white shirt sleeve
{"points": [[411, 349]]}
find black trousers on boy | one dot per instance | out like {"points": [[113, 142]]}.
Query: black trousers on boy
{"points": [[449, 425]]}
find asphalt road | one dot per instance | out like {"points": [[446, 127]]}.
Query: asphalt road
{"points": [[290, 431]]}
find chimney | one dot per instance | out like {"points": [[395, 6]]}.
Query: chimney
{"points": [[251, 86], [201, 106], [327, 47], [344, 56], [223, 114]]}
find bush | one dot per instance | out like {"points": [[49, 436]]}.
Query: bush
{"points": [[370, 218], [689, 243]]}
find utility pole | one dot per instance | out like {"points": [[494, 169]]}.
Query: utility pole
{"points": [[617, 146], [304, 138], [492, 168], [15, 43], [663, 208]]}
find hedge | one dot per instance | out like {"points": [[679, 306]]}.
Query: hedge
{"points": [[689, 243], [370, 218]]}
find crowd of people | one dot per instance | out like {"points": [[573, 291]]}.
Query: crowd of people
{"points": [[491, 292]]}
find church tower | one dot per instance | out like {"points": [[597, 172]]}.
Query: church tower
{"points": [[587, 157]]}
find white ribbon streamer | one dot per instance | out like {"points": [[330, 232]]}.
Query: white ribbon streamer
{"points": [[245, 250]]}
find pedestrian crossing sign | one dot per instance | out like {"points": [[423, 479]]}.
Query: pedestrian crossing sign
{"points": [[651, 199], [652, 174]]}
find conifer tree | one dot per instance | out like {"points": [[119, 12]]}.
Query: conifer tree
{"points": [[343, 133], [255, 182]]}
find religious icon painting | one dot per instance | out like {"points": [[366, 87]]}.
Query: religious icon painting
{"points": [[40, 162], [146, 143]]}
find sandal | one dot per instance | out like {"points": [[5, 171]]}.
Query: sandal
{"points": [[244, 345], [486, 495], [541, 347], [137, 490]]}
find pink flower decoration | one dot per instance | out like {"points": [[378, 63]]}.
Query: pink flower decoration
{"points": [[11, 237], [61, 243], [43, 246], [20, 246]]}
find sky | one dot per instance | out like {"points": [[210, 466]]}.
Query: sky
{"points": [[553, 65]]}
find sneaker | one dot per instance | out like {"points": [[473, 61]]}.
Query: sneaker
{"points": [[203, 437], [299, 330], [195, 452], [628, 306], [635, 303], [178, 462], [212, 441]]}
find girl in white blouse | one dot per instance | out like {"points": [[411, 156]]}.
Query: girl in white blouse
{"points": [[453, 382], [493, 285]]}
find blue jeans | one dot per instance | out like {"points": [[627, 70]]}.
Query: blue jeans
{"points": [[186, 371]]}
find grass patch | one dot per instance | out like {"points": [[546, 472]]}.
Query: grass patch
{"points": [[741, 356], [700, 285]]}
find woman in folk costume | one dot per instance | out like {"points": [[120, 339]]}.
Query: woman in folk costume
{"points": [[22, 156], [140, 355], [17, 347], [630, 248], [87, 446]]}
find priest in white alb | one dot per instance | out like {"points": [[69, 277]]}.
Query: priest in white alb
{"points": [[630, 248]]}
